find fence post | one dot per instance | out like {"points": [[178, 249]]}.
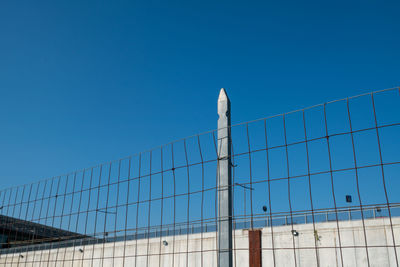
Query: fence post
{"points": [[224, 182]]}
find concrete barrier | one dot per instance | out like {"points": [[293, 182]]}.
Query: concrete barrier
{"points": [[200, 249]]}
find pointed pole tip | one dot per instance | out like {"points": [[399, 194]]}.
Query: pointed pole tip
{"points": [[223, 95]]}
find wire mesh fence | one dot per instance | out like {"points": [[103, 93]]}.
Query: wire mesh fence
{"points": [[321, 183]]}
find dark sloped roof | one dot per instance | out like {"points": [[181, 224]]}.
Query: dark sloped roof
{"points": [[30, 231]]}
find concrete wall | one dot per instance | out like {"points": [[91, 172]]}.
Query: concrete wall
{"points": [[200, 250], [378, 232]]}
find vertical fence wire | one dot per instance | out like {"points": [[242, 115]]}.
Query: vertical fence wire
{"points": [[310, 187], [332, 183], [288, 188], [357, 180], [383, 178]]}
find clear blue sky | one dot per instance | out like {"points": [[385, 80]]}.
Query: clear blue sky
{"points": [[84, 82]]}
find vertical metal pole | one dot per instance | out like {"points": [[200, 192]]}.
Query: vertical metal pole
{"points": [[224, 182], [244, 208]]}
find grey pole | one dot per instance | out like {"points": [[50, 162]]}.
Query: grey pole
{"points": [[224, 182]]}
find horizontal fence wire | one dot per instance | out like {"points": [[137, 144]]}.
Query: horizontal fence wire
{"points": [[322, 183]]}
